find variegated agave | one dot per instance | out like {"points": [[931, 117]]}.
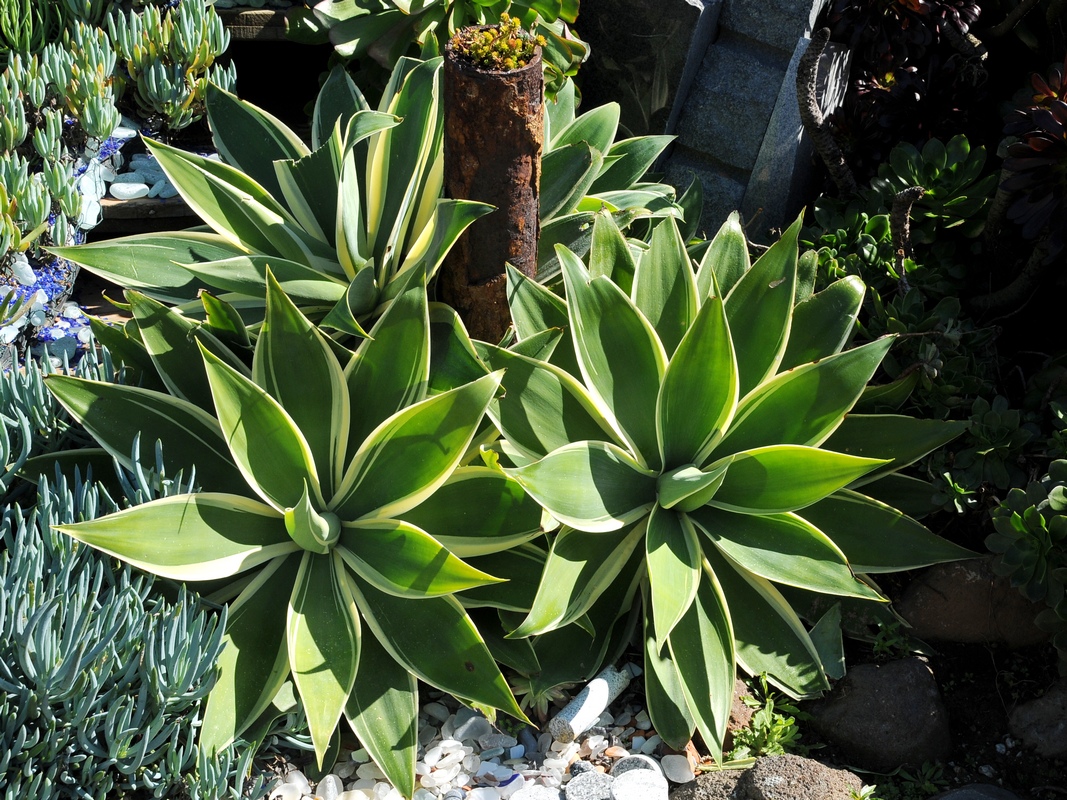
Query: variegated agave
{"points": [[690, 433], [341, 224], [334, 512]]}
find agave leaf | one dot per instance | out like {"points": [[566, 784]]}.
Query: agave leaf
{"points": [[383, 710], [770, 480], [337, 101], [359, 298], [905, 493], [806, 404], [700, 389], [115, 415], [249, 138], [667, 705], [665, 287], [254, 662], [478, 511], [567, 172], [150, 262], [596, 128], [610, 254], [198, 537], [350, 233], [296, 367], [579, 569], [673, 558], [760, 310], [265, 442], [634, 157], [437, 642], [559, 112], [235, 206], [128, 351], [403, 560], [593, 486], [323, 639], [453, 360], [246, 274], [621, 358], [768, 635], [830, 644], [173, 344], [902, 440], [391, 368], [783, 548], [691, 204], [224, 322], [726, 261], [409, 455], [702, 648], [543, 408], [519, 567], [878, 538], [302, 182], [823, 323], [448, 221]]}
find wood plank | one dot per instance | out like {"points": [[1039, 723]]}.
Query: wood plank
{"points": [[254, 24]]}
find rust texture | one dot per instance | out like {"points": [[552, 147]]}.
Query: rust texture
{"points": [[494, 129]]}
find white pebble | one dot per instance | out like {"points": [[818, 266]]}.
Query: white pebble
{"points": [[129, 177], [20, 269], [360, 756], [128, 191], [649, 747], [287, 791], [329, 788], [297, 778]]}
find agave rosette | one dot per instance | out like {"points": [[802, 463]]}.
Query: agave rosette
{"points": [[340, 223], [689, 431], [334, 515]]}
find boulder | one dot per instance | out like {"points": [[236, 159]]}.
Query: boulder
{"points": [[709, 786], [791, 777], [1042, 723], [885, 716], [966, 602]]}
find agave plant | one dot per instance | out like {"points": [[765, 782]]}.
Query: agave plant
{"points": [[341, 224], [327, 520], [690, 434]]}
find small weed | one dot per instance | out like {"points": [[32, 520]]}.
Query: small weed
{"points": [[914, 784], [773, 729], [891, 642]]}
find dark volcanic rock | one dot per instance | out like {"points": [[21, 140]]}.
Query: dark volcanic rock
{"points": [[791, 777], [886, 716], [1042, 723]]}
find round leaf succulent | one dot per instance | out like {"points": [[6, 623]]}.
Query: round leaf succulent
{"points": [[690, 434]]}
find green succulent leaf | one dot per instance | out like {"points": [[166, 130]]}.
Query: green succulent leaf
{"points": [[149, 262], [610, 255], [783, 548], [667, 705], [665, 288], [725, 262], [392, 366], [672, 554], [264, 441], [768, 635], [806, 404], [173, 343], [770, 480], [876, 537], [823, 323], [899, 439], [621, 358], [760, 310], [592, 486], [437, 642], [700, 389], [567, 172], [255, 659], [323, 638], [313, 531], [296, 367], [405, 561], [412, 453], [383, 710], [478, 511], [247, 275], [702, 648], [116, 415], [197, 537], [579, 569], [249, 138], [542, 408]]}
